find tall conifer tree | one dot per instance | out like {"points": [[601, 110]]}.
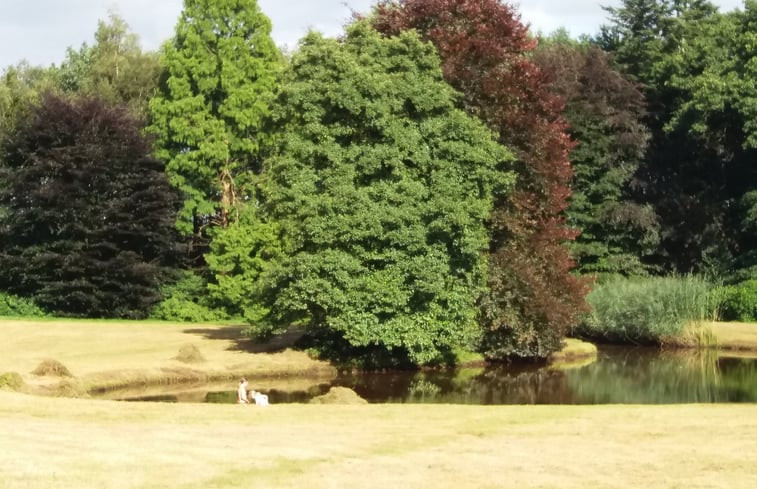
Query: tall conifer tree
{"points": [[221, 70]]}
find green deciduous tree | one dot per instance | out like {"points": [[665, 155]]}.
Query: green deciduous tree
{"points": [[114, 68], [486, 54], [383, 189], [220, 74], [87, 216]]}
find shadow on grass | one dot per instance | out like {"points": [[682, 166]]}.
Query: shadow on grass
{"points": [[241, 342]]}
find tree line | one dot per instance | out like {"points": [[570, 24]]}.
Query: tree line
{"points": [[439, 178]]}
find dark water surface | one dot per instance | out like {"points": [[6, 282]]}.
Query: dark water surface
{"points": [[620, 375]]}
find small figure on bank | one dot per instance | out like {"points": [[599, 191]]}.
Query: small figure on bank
{"points": [[242, 391]]}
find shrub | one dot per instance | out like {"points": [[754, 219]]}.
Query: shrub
{"points": [[14, 306], [186, 301], [646, 310], [739, 302]]}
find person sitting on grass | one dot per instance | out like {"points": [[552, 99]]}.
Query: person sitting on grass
{"points": [[242, 391]]}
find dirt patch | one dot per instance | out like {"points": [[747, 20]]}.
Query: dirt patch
{"points": [[339, 395], [51, 368], [189, 354]]}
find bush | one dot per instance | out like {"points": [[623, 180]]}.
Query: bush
{"points": [[739, 302], [14, 306], [646, 310], [186, 301]]}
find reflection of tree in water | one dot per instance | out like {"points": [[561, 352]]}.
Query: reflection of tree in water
{"points": [[498, 385], [653, 377]]}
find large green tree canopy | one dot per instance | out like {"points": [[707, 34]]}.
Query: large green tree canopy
{"points": [[383, 188], [486, 54], [207, 118]]}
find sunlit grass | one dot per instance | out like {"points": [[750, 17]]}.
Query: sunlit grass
{"points": [[71, 443]]}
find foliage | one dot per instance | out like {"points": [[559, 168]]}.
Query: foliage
{"points": [[14, 306], [87, 227], [114, 68], [220, 73], [20, 87], [647, 309], [740, 302], [486, 54], [605, 113], [383, 188], [697, 68], [239, 254], [186, 300]]}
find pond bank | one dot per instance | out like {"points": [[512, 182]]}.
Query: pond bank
{"points": [[108, 355]]}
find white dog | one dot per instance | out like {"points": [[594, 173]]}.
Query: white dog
{"points": [[259, 398]]}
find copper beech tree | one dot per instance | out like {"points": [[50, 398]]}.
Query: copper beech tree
{"points": [[533, 298]]}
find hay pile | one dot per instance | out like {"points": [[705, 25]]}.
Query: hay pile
{"points": [[189, 354], [11, 381], [52, 368], [339, 395]]}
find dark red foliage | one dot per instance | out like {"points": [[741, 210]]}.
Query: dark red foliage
{"points": [[485, 55]]}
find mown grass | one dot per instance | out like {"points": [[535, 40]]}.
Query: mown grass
{"points": [[103, 355], [72, 443]]}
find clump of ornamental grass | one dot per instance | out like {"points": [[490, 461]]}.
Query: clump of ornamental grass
{"points": [[52, 368], [189, 354], [648, 310]]}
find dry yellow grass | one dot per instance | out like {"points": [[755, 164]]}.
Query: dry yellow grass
{"points": [[735, 336], [74, 443], [80, 443], [109, 354]]}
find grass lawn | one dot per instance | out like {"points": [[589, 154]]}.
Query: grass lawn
{"points": [[53, 442], [736, 336], [72, 443], [109, 354]]}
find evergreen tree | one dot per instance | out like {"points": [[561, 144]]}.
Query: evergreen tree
{"points": [[220, 74], [86, 216], [699, 171], [383, 189], [605, 113]]}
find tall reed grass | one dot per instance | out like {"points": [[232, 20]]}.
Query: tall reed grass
{"points": [[648, 310]]}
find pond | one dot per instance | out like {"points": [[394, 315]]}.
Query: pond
{"points": [[619, 375]]}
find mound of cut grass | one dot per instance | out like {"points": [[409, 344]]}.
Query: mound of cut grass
{"points": [[339, 395], [189, 354], [52, 368], [11, 381]]}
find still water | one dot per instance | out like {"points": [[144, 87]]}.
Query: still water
{"points": [[619, 375]]}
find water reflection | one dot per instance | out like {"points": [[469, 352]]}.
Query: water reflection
{"points": [[620, 375]]}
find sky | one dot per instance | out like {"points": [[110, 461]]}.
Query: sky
{"points": [[39, 31]]}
